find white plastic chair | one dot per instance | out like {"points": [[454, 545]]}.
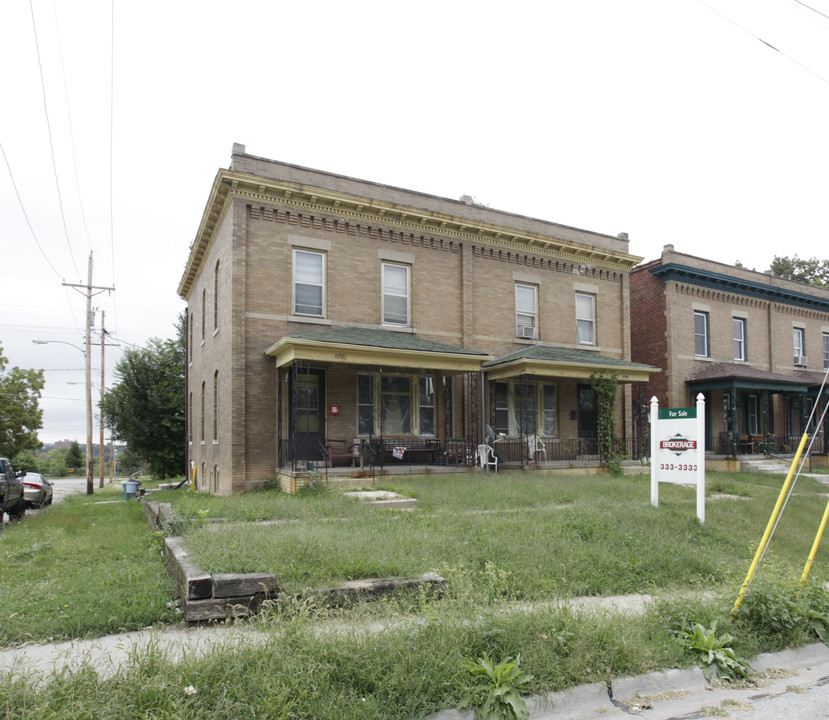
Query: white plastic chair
{"points": [[536, 445], [487, 458]]}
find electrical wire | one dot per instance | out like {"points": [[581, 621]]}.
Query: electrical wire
{"points": [[809, 7], [26, 215], [71, 129], [765, 42], [51, 143]]}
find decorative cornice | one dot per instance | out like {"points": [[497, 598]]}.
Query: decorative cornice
{"points": [[737, 286], [255, 189]]}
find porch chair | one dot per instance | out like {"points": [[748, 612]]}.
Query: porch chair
{"points": [[487, 458], [339, 450], [536, 445]]}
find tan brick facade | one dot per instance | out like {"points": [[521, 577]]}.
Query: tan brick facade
{"points": [[753, 387], [463, 263]]}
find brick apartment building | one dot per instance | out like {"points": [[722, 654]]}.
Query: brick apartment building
{"points": [[329, 311], [755, 345]]}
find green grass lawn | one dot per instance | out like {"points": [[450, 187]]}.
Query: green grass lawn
{"points": [[537, 534], [85, 569]]}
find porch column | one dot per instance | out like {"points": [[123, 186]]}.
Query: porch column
{"points": [[732, 411]]}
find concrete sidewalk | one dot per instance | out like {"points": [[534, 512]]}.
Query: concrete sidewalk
{"points": [[793, 676], [797, 677]]}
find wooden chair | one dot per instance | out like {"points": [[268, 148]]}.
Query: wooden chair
{"points": [[339, 450]]}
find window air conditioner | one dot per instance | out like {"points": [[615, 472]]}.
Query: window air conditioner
{"points": [[801, 361], [526, 331]]}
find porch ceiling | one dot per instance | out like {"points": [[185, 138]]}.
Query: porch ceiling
{"points": [[553, 361], [379, 348]]}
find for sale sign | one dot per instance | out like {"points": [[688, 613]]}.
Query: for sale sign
{"points": [[678, 449]]}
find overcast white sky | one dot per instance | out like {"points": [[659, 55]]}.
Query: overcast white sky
{"points": [[670, 121]]}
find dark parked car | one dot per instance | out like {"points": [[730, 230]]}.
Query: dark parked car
{"points": [[37, 490], [11, 491]]}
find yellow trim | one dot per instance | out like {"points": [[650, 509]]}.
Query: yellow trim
{"points": [[289, 349], [549, 368]]}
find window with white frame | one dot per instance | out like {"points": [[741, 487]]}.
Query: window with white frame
{"points": [[216, 297], [798, 343], [426, 405], [309, 283], [700, 334], [395, 294], [526, 311], [585, 319], [826, 351], [739, 330]]}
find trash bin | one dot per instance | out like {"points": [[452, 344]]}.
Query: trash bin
{"points": [[130, 489]]}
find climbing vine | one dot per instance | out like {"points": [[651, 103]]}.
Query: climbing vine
{"points": [[606, 385]]}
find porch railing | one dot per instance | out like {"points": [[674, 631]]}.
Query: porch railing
{"points": [[761, 445]]}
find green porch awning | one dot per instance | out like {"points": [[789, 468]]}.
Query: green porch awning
{"points": [[553, 361], [727, 376], [378, 348]]}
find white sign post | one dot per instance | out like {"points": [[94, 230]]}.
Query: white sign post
{"points": [[678, 449]]}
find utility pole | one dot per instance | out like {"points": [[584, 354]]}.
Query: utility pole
{"points": [[89, 287], [103, 376]]}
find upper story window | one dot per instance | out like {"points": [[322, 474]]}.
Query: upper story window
{"points": [[203, 311], [701, 334], [585, 319], [799, 345], [526, 311], [739, 330], [309, 283], [826, 351], [216, 297], [395, 294]]}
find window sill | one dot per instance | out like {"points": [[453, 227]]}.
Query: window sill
{"points": [[215, 442], [215, 332], [308, 319], [525, 341], [398, 328]]}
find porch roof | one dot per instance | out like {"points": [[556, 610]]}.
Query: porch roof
{"points": [[719, 376], [375, 347], [554, 361]]}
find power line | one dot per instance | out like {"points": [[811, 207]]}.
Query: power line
{"points": [[71, 129], [765, 42], [51, 143], [26, 215], [809, 7]]}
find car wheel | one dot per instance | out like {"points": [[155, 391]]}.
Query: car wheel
{"points": [[50, 499], [19, 510]]}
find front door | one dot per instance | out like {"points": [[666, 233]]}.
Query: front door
{"points": [[309, 429], [588, 419]]}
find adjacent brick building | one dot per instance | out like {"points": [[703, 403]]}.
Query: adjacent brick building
{"points": [[755, 345], [322, 307]]}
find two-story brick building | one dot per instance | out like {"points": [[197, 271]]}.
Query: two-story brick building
{"points": [[755, 345], [322, 308]]}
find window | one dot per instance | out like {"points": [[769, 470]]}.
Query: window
{"points": [[701, 334], [585, 319], [549, 410], [190, 335], [203, 311], [309, 285], [395, 294], [201, 433], [396, 405], [799, 342], [426, 405], [739, 330], [365, 405], [502, 408], [526, 409], [216, 297], [826, 351], [216, 406], [190, 420], [525, 310]]}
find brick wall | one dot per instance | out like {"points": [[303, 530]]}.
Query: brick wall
{"points": [[649, 331]]}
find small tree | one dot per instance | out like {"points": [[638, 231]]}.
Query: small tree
{"points": [[606, 386], [20, 413], [74, 458]]}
